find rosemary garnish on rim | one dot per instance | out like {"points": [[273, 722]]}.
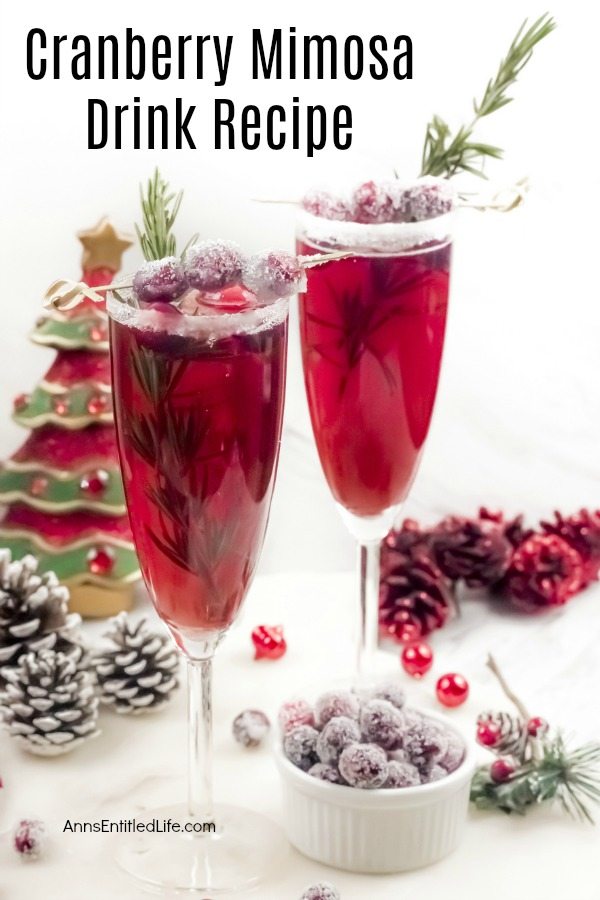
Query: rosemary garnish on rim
{"points": [[445, 154], [159, 211]]}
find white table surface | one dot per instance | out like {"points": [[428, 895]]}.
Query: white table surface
{"points": [[551, 661]]}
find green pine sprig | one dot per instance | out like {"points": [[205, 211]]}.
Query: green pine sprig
{"points": [[159, 211], [445, 154], [569, 777]]}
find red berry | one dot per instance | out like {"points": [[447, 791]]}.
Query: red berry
{"points": [[326, 206], [273, 275], [98, 333], [537, 726], [21, 402], [372, 203], [38, 486], [452, 689], [61, 406], [501, 770], [161, 280], [100, 561], [269, 642], [213, 265], [94, 483], [488, 734], [417, 659], [294, 713], [97, 404]]}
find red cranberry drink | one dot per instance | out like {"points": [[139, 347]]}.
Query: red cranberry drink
{"points": [[372, 331], [199, 386]]}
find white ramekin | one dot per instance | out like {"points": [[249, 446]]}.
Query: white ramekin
{"points": [[386, 830]]}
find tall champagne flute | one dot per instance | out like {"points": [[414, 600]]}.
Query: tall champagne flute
{"points": [[199, 403], [372, 332]]}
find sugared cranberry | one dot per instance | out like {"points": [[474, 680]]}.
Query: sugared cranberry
{"points": [[160, 280], [427, 200], [326, 206], [273, 275], [213, 265], [371, 203]]}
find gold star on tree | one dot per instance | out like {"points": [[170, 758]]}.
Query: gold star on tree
{"points": [[103, 246]]}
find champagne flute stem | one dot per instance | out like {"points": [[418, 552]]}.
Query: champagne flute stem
{"points": [[200, 803], [368, 567]]}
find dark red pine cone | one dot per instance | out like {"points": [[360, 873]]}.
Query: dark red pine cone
{"points": [[406, 540], [581, 531], [513, 529], [415, 598], [475, 550], [545, 571]]}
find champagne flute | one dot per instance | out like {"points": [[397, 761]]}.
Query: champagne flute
{"points": [[198, 405], [372, 329]]}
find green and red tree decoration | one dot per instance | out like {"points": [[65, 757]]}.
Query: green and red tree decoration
{"points": [[62, 488]]}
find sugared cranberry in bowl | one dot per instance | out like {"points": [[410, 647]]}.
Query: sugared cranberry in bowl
{"points": [[371, 785]]}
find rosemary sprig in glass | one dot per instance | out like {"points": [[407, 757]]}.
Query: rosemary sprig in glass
{"points": [[445, 154]]}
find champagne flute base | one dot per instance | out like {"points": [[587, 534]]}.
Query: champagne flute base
{"points": [[235, 852]]}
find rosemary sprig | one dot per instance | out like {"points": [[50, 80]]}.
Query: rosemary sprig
{"points": [[445, 154], [159, 211]]}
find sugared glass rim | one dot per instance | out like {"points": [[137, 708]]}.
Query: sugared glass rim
{"points": [[379, 237], [211, 326]]}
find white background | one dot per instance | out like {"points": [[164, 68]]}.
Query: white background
{"points": [[517, 423]]}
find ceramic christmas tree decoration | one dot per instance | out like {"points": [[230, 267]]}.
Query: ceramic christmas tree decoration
{"points": [[62, 488]]}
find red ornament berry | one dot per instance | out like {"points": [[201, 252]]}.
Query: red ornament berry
{"points": [[501, 770], [21, 402], [38, 486], [537, 726], [61, 406], [98, 334], [417, 659], [452, 689], [269, 642], [94, 483], [488, 734], [545, 571], [97, 404], [100, 561]]}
